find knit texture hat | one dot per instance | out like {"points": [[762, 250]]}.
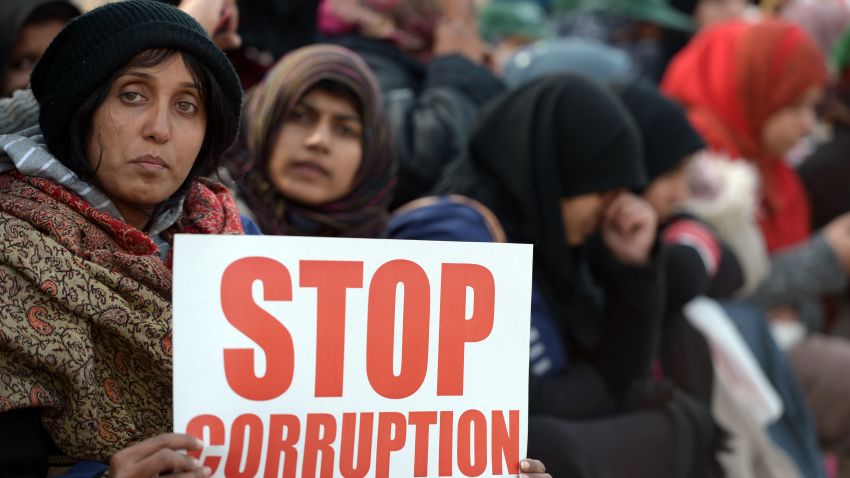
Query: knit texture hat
{"points": [[668, 137], [93, 46]]}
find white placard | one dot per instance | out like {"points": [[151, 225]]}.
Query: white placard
{"points": [[301, 357]]}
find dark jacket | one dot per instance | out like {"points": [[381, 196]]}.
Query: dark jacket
{"points": [[564, 381], [824, 176], [430, 109]]}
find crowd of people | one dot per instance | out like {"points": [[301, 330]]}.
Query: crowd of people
{"points": [[680, 167]]}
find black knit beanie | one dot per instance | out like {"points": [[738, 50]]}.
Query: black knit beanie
{"points": [[92, 47], [668, 137]]}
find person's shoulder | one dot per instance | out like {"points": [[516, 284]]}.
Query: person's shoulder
{"points": [[446, 218]]}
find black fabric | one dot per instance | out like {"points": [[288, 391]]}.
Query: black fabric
{"points": [[627, 331], [93, 46], [668, 137], [824, 176], [278, 26], [13, 15], [665, 438], [558, 136], [685, 6], [25, 446], [430, 109], [688, 277]]}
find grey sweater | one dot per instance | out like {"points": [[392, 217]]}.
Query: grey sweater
{"points": [[800, 276]]}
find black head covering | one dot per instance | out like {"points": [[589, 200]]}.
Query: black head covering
{"points": [[13, 15], [555, 137], [685, 6], [668, 137]]}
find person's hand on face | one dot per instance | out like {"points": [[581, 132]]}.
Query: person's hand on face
{"points": [[161, 455], [628, 229]]}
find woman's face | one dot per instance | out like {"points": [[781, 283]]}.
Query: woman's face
{"points": [[146, 135], [32, 42], [709, 12], [318, 151], [582, 214], [668, 191], [785, 128]]}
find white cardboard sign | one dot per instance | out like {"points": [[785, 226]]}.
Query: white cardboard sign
{"points": [[303, 357]]}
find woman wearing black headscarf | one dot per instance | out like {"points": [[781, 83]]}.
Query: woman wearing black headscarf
{"points": [[552, 164]]}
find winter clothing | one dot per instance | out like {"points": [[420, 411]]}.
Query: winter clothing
{"points": [[20, 111], [501, 19], [561, 55], [94, 46], [109, 385], [799, 274], [128, 387], [360, 213], [725, 196], [668, 137], [570, 399], [522, 197], [658, 12], [756, 69]]}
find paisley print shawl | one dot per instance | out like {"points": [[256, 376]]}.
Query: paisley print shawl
{"points": [[85, 313]]}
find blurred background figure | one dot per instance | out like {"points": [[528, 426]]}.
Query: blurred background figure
{"points": [[823, 20], [26, 29], [636, 27], [825, 173], [509, 25], [703, 13], [431, 64], [570, 54], [269, 30]]}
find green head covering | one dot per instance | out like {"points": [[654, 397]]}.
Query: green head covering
{"points": [[512, 18], [659, 12]]}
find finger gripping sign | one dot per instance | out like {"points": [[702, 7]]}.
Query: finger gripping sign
{"points": [[313, 357]]}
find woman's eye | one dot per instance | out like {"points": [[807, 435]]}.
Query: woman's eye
{"points": [[131, 97], [347, 131], [186, 107], [299, 117]]}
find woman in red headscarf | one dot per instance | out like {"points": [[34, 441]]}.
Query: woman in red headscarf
{"points": [[751, 90]]}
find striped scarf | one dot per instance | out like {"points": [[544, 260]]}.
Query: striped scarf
{"points": [[360, 213]]}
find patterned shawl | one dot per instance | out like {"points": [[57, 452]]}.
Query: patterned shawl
{"points": [[85, 313], [363, 211]]}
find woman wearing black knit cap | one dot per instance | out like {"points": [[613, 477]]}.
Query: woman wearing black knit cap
{"points": [[136, 106]]}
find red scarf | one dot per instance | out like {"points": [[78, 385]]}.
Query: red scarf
{"points": [[209, 208], [732, 78]]}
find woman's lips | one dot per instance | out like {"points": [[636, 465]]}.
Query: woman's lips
{"points": [[309, 169], [150, 163]]}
